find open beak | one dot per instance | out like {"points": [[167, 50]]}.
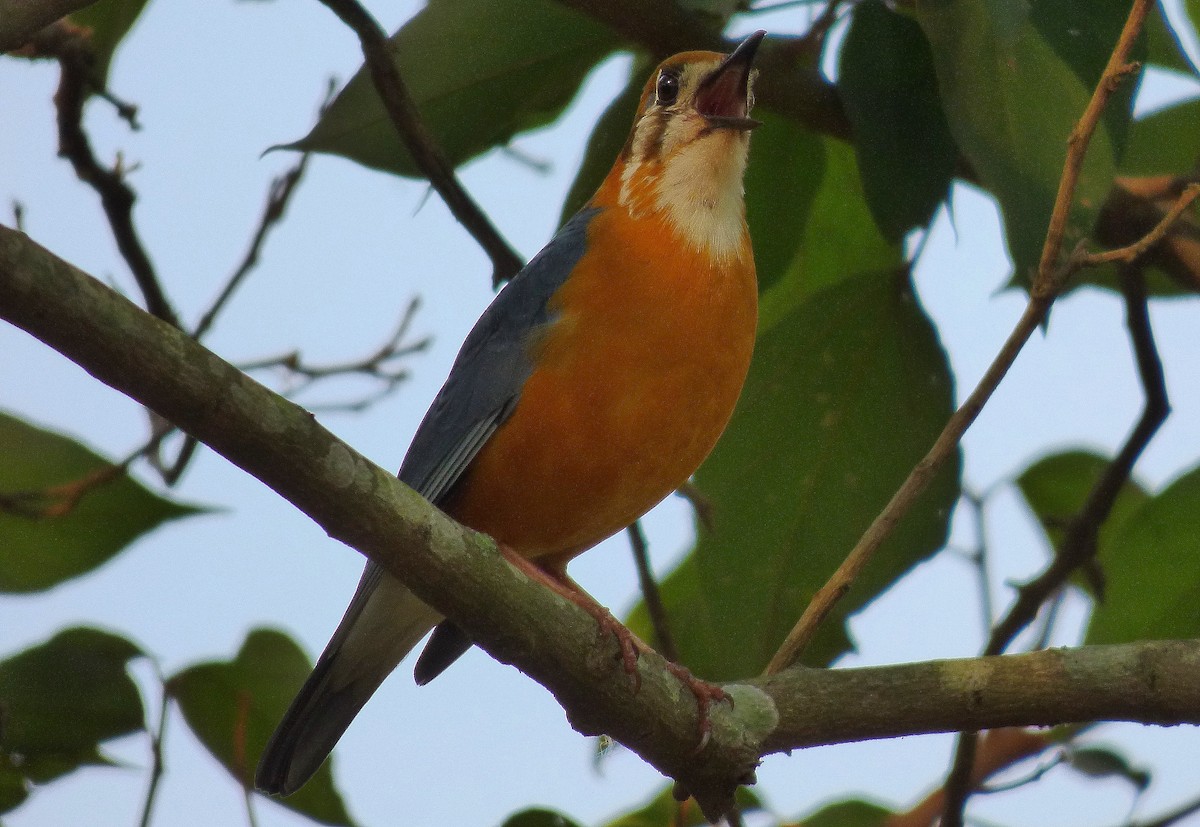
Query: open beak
{"points": [[724, 96]]}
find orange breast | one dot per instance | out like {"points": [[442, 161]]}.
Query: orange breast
{"points": [[636, 379]]}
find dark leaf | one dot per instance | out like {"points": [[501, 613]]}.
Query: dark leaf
{"points": [[539, 817], [43, 540], [849, 814], [1056, 486], [811, 456], [904, 147], [60, 701], [479, 71], [109, 21], [1149, 563], [664, 811], [234, 706], [1100, 762], [994, 62]]}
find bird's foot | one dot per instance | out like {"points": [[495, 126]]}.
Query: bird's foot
{"points": [[706, 695], [555, 577]]}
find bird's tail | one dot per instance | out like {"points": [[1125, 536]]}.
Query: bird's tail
{"points": [[382, 624]]}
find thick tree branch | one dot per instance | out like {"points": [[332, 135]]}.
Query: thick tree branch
{"points": [[518, 621]]}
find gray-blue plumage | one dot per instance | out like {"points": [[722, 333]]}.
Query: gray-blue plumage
{"points": [[384, 620]]}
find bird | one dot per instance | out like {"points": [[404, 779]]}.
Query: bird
{"points": [[594, 385]]}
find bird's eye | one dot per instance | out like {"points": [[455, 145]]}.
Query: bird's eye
{"points": [[667, 89]]}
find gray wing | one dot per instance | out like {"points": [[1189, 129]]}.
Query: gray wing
{"points": [[385, 620], [491, 368]]}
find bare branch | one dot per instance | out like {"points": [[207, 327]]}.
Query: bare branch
{"points": [[428, 156], [664, 641], [279, 195], [383, 365]]}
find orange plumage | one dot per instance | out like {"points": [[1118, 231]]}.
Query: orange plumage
{"points": [[593, 386]]}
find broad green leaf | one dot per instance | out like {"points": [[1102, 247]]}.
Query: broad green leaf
{"points": [[606, 141], [786, 172], [839, 238], [1153, 582], [539, 817], [1012, 93], [664, 811], [44, 539], [1102, 762], [1166, 142], [903, 145], [60, 700], [1163, 43], [234, 706], [110, 21], [479, 71], [1056, 486], [1083, 35], [845, 394], [853, 813]]}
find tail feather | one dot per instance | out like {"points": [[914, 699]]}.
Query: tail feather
{"points": [[382, 624]]}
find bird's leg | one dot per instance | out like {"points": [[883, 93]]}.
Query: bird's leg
{"points": [[556, 579], [706, 695]]}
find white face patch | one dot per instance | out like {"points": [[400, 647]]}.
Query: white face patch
{"points": [[691, 173]]}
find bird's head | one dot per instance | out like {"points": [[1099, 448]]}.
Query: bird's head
{"points": [[687, 152]]}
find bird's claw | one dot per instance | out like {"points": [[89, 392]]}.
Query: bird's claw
{"points": [[706, 695]]}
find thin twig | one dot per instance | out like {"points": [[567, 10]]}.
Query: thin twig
{"points": [[430, 159], [116, 196], [156, 755], [664, 641], [999, 749], [381, 365], [1135, 250], [279, 195], [701, 504]]}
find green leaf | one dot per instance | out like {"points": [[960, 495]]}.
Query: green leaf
{"points": [[60, 700], [1153, 583], [1012, 91], [786, 174], [664, 811], [1056, 486], [110, 21], [539, 817], [1163, 46], [43, 540], [1166, 142], [838, 238], [903, 145], [234, 706], [1101, 762], [479, 71], [606, 141], [805, 465], [851, 813]]}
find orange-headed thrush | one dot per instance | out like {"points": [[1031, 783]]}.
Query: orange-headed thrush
{"points": [[593, 386]]}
